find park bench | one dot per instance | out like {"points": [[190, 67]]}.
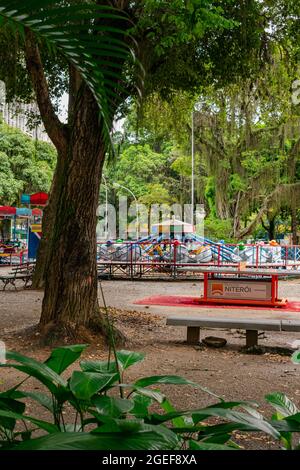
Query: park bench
{"points": [[22, 272], [251, 326]]}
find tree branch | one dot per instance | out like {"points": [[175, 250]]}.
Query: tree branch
{"points": [[288, 193], [56, 130]]}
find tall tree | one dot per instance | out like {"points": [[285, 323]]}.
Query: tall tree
{"points": [[177, 43]]}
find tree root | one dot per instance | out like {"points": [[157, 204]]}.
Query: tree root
{"points": [[53, 334]]}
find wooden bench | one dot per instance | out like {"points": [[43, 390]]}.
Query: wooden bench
{"points": [[22, 272], [251, 326]]}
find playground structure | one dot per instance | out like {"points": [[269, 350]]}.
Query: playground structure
{"points": [[184, 254], [20, 237]]}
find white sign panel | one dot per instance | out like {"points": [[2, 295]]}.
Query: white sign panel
{"points": [[236, 289]]}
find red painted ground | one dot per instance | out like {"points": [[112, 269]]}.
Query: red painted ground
{"points": [[184, 301]]}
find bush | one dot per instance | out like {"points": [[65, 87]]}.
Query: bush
{"points": [[104, 413]]}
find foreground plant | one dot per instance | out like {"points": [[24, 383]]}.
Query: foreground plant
{"points": [[93, 409]]}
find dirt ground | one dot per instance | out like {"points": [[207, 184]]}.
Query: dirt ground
{"points": [[228, 371]]}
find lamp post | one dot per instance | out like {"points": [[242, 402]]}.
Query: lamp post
{"points": [[106, 206], [193, 171], [136, 204]]}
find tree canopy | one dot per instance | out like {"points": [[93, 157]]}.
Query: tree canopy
{"points": [[26, 165]]}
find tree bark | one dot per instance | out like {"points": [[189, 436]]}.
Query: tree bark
{"points": [[48, 223], [70, 299]]}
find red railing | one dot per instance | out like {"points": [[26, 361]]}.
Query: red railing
{"points": [[175, 256]]}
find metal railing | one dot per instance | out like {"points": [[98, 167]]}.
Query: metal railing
{"points": [[171, 258]]}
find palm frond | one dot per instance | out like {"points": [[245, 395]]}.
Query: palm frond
{"points": [[93, 38]]}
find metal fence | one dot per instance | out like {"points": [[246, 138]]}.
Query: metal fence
{"points": [[177, 260]]}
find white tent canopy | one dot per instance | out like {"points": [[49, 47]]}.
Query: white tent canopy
{"points": [[172, 225]]}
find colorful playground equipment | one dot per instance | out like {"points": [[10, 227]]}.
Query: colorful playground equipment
{"points": [[176, 249], [21, 234]]}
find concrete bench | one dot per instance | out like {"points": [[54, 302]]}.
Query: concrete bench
{"points": [[251, 326]]}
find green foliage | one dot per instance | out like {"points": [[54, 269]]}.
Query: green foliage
{"points": [[218, 229], [128, 422], [25, 165], [96, 56], [144, 172]]}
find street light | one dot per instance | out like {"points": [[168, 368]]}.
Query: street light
{"points": [[106, 206], [136, 204], [193, 172]]}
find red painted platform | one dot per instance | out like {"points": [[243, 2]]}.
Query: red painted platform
{"points": [[184, 301]]}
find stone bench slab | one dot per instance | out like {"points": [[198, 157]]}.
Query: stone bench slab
{"points": [[251, 326], [246, 324]]}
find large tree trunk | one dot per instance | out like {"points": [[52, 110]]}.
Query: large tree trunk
{"points": [[70, 300], [48, 223], [67, 258]]}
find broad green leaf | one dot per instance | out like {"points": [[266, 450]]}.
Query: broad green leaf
{"points": [[182, 421], [217, 439], [9, 404], [286, 425], [85, 384], [36, 369], [39, 397], [158, 438], [61, 358], [99, 25], [131, 425], [98, 366], [128, 358], [247, 421], [49, 427], [141, 405], [170, 380], [282, 404], [193, 445], [111, 406], [147, 392], [296, 357]]}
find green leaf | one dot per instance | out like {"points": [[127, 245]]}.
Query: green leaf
{"points": [[286, 425], [170, 380], [282, 404], [217, 439], [296, 357], [49, 427], [141, 405], [247, 421], [113, 407], [157, 438], [193, 445], [181, 422], [39, 397], [36, 369], [63, 357], [85, 384], [128, 358], [153, 394], [58, 28], [131, 425], [98, 366], [9, 404]]}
